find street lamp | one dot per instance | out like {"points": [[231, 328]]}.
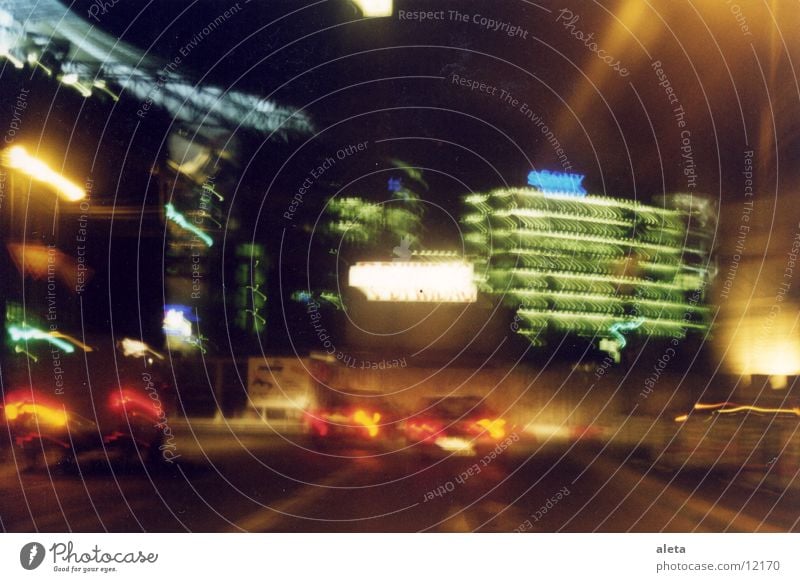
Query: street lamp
{"points": [[374, 8], [17, 158]]}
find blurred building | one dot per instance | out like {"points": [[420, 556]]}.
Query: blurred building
{"points": [[594, 266], [139, 252]]}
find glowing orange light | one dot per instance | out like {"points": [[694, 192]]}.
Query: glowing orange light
{"points": [[38, 261], [681, 418], [371, 423], [11, 412], [701, 406], [495, 428], [136, 404], [44, 414], [18, 159], [317, 423]]}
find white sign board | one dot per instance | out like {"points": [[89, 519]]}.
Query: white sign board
{"points": [[409, 281], [279, 382]]}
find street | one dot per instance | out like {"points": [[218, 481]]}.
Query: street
{"points": [[253, 481]]}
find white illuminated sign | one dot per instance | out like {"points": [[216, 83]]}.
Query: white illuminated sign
{"points": [[408, 281]]}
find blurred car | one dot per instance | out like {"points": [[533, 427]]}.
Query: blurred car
{"points": [[727, 436], [462, 425], [63, 398], [359, 419]]}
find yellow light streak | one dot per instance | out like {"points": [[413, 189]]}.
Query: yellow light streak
{"points": [[795, 411], [71, 339], [17, 158]]}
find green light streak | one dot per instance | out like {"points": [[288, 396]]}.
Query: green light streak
{"points": [[333, 299], [533, 258], [181, 221], [634, 281], [476, 198], [533, 213], [609, 298], [619, 242], [590, 200], [602, 318]]}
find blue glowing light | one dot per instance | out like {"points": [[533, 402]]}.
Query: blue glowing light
{"points": [[302, 296], [395, 184], [187, 311], [557, 182]]}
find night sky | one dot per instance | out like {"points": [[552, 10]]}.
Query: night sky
{"points": [[392, 78]]}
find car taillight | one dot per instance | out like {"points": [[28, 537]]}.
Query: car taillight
{"points": [[496, 428], [135, 404], [370, 422], [44, 414], [315, 420]]}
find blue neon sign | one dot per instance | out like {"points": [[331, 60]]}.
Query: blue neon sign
{"points": [[557, 182]]}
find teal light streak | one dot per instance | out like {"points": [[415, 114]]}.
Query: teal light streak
{"points": [[181, 221], [31, 333], [617, 329]]}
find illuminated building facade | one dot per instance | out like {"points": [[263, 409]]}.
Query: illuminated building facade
{"points": [[594, 266]]}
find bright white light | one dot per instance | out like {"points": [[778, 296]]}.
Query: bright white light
{"points": [[455, 445], [17, 158], [18, 64], [138, 349], [374, 8], [440, 282], [72, 80], [175, 323]]}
